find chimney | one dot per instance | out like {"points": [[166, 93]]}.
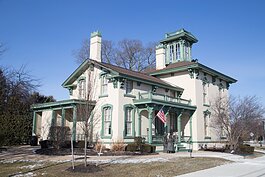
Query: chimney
{"points": [[95, 46], [160, 56]]}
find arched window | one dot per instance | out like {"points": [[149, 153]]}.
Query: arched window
{"points": [[106, 120], [129, 118]]}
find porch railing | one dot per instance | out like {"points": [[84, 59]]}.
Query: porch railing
{"points": [[157, 96]]}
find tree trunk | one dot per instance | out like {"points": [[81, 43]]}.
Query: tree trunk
{"points": [[85, 150]]}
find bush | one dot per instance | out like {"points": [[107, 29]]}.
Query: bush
{"points": [[246, 149], [132, 147], [118, 146], [148, 148], [99, 147]]}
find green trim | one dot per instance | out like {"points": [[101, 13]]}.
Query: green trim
{"points": [[197, 66], [223, 138], [166, 103], [125, 107], [103, 136], [179, 127], [129, 95], [34, 123], [190, 128], [150, 118], [95, 33], [59, 104], [74, 76], [179, 34], [139, 122], [207, 138]]}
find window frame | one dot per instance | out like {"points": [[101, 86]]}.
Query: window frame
{"points": [[104, 85], [206, 118], [132, 121], [104, 109]]}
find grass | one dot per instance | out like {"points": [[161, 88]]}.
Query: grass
{"points": [[172, 168]]}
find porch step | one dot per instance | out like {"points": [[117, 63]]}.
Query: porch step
{"points": [[181, 148]]}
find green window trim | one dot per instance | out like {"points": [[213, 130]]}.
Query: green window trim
{"points": [[103, 135], [132, 135]]}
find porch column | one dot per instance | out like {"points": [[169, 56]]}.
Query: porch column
{"points": [[139, 123], [191, 128], [63, 117], [74, 123], [179, 128], [34, 123], [150, 118]]}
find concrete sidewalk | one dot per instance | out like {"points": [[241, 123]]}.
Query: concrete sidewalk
{"points": [[241, 168]]}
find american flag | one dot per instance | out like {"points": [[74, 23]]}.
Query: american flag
{"points": [[161, 115]]}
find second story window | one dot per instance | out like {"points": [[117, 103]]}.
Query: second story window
{"points": [[129, 86], [104, 85], [82, 88], [205, 87]]}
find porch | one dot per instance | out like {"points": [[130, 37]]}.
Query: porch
{"points": [[66, 114], [178, 113]]}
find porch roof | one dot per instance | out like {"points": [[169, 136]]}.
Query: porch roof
{"points": [[60, 104], [159, 99]]}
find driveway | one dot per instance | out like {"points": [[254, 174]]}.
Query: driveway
{"points": [[241, 168]]}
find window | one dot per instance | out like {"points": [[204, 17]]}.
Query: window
{"points": [[171, 53], [205, 88], [187, 50], [178, 51], [129, 86], [104, 85], [128, 121], [206, 125], [107, 121], [82, 88]]}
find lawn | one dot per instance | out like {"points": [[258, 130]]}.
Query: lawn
{"points": [[173, 167]]}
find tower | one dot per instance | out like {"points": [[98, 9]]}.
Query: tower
{"points": [[176, 47]]}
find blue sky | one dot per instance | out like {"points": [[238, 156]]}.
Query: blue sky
{"points": [[43, 34]]}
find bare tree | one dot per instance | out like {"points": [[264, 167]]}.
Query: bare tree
{"points": [[86, 111], [129, 54], [238, 117]]}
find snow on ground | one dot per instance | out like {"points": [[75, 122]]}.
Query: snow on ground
{"points": [[128, 160]]}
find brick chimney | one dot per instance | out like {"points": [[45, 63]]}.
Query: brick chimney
{"points": [[95, 46]]}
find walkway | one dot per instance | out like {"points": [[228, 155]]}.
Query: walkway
{"points": [[241, 168]]}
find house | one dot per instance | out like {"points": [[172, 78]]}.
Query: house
{"points": [[125, 103]]}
